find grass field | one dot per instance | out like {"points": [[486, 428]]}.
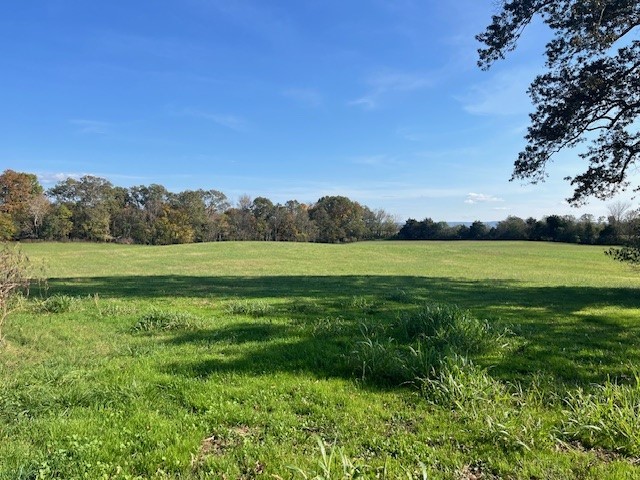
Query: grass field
{"points": [[251, 360]]}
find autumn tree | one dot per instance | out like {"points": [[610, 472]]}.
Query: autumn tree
{"points": [[17, 193], [297, 226], [590, 92]]}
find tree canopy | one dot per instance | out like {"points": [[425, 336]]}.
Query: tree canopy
{"points": [[590, 92]]}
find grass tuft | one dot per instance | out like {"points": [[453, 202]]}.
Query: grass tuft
{"points": [[451, 329], [252, 308], [56, 304], [335, 464], [161, 320], [607, 417], [417, 345]]}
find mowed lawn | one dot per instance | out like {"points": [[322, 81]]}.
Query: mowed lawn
{"points": [[246, 360]]}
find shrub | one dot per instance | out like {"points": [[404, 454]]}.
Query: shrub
{"points": [[14, 277]]}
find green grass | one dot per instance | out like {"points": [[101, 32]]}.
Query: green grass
{"points": [[234, 360]]}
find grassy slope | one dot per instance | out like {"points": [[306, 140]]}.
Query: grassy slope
{"points": [[262, 370]]}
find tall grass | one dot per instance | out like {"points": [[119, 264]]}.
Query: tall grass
{"points": [[163, 320], [417, 345], [605, 416]]}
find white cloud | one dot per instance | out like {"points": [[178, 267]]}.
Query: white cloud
{"points": [[473, 198], [51, 178], [232, 122], [375, 160], [367, 103], [382, 84]]}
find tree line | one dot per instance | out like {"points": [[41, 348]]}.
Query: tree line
{"points": [[620, 227], [92, 209]]}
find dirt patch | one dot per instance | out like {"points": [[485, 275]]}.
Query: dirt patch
{"points": [[475, 471], [601, 454], [220, 444]]}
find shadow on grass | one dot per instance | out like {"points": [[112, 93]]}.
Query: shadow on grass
{"points": [[566, 334], [273, 348]]}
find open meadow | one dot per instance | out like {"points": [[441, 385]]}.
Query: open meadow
{"points": [[452, 360]]}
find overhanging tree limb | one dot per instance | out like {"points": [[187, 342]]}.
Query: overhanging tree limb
{"points": [[590, 93]]}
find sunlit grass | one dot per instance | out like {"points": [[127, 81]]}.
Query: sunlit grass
{"points": [[195, 361]]}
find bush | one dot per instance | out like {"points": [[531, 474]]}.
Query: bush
{"points": [[14, 277]]}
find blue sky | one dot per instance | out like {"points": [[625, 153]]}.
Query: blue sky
{"points": [[378, 100]]}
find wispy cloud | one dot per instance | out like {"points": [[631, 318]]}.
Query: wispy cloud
{"points": [[92, 127], [503, 94], [232, 122], [382, 84], [376, 160], [473, 198], [450, 153], [308, 97], [51, 178], [377, 192]]}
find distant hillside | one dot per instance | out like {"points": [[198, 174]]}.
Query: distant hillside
{"points": [[468, 224]]}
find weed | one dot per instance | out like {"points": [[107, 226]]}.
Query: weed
{"points": [[160, 320], [449, 328], [56, 304], [380, 359], [607, 417], [334, 465], [457, 383], [328, 326], [252, 308], [417, 345], [362, 304]]}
